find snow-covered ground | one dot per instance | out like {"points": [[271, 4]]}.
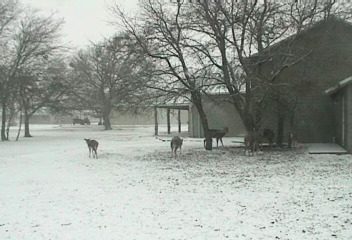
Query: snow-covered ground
{"points": [[51, 189]]}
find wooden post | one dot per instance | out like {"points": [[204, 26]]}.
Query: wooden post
{"points": [[168, 121], [179, 120], [156, 120], [190, 122]]}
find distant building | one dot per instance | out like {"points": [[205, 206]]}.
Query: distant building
{"points": [[146, 117]]}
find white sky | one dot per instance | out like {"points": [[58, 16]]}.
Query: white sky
{"points": [[85, 20]]}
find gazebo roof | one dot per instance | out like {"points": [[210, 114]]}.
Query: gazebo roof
{"points": [[181, 106]]}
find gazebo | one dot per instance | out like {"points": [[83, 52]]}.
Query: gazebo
{"points": [[168, 107]]}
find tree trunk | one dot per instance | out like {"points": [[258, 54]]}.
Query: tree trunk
{"points": [[292, 127], [168, 121], [106, 118], [3, 122], [197, 101], [281, 113], [156, 121], [107, 124], [9, 121], [280, 130], [19, 125], [26, 123], [241, 106], [248, 122], [179, 120]]}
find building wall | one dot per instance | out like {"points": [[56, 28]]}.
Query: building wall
{"points": [[344, 117], [329, 61], [338, 117], [220, 113], [315, 121], [348, 117]]}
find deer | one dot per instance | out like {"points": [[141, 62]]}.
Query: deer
{"points": [[92, 146], [176, 142], [252, 142], [270, 135], [218, 134], [292, 140]]}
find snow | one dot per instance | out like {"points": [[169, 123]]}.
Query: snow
{"points": [[51, 189], [318, 148]]}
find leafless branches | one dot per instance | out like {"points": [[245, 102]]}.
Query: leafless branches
{"points": [[29, 42], [107, 75]]}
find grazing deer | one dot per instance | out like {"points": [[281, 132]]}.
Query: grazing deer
{"points": [[270, 135], [92, 146], [218, 134], [176, 142], [251, 142]]}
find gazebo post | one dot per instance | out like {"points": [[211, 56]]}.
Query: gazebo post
{"points": [[156, 120], [168, 121], [179, 120]]}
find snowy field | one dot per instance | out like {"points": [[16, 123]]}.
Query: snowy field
{"points": [[51, 189]]}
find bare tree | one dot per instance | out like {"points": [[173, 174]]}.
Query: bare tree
{"points": [[34, 41], [9, 12], [238, 38], [43, 86], [105, 76], [163, 32]]}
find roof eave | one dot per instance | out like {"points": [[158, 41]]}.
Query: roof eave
{"points": [[338, 86]]}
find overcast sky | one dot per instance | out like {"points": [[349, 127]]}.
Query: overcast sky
{"points": [[85, 20]]}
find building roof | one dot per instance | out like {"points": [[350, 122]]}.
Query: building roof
{"points": [[337, 87], [330, 22]]}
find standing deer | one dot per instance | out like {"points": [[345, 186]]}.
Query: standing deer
{"points": [[292, 140], [176, 142], [218, 134], [270, 135], [251, 142], [92, 146]]}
